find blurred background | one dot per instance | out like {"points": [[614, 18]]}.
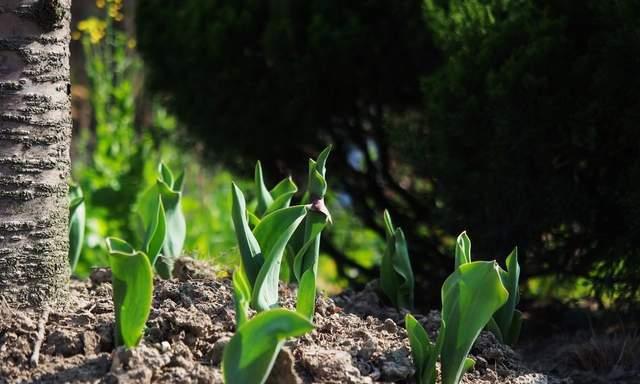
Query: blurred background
{"points": [[515, 120]]}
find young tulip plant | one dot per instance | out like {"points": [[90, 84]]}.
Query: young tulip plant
{"points": [[470, 296], [77, 219], [132, 278], [396, 276], [168, 191], [276, 229], [251, 352], [476, 295], [507, 321]]}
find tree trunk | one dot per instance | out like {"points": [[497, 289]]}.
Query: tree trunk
{"points": [[35, 135]]}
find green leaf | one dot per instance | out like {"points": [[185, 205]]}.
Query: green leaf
{"points": [[262, 193], [250, 253], [132, 279], [77, 219], [317, 185], [396, 275], [421, 349], [470, 296], [241, 297], [251, 352], [463, 249], [510, 279], [306, 304], [282, 194], [307, 257], [273, 233], [156, 232], [176, 230], [165, 174]]}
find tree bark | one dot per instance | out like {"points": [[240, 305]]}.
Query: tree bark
{"points": [[35, 135]]}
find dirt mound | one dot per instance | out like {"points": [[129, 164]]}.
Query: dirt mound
{"points": [[357, 340]]}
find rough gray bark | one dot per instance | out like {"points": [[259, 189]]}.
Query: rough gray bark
{"points": [[35, 134]]}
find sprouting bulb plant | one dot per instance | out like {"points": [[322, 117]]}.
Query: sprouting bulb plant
{"points": [[132, 279], [396, 276], [261, 249], [252, 351], [470, 296], [507, 321], [77, 219], [167, 191], [278, 231]]}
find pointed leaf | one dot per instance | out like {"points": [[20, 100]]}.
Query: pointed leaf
{"points": [[251, 352], [273, 233], [282, 194], [510, 279], [77, 219], [165, 174], [250, 253], [421, 347], [156, 233], [463, 250], [176, 231], [262, 193]]}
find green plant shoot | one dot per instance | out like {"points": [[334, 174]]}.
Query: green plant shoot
{"points": [[77, 219], [241, 297], [166, 192], [396, 276], [262, 249], [132, 279], [252, 351], [470, 296], [507, 321]]}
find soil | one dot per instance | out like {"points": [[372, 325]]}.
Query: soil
{"points": [[357, 339]]}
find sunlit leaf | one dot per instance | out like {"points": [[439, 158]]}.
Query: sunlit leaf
{"points": [[132, 280], [252, 351]]}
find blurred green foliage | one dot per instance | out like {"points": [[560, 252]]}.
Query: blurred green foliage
{"points": [[115, 158]]}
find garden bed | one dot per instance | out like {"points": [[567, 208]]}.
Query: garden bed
{"points": [[356, 340]]}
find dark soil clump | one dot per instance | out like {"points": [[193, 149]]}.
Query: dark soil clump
{"points": [[357, 340]]}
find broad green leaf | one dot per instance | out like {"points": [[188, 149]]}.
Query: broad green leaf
{"points": [[251, 352], [132, 279], [262, 193], [421, 349], [250, 253], [470, 296], [176, 230], [77, 219], [463, 250], [273, 233], [282, 194], [155, 233], [241, 297], [306, 301], [510, 278]]}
